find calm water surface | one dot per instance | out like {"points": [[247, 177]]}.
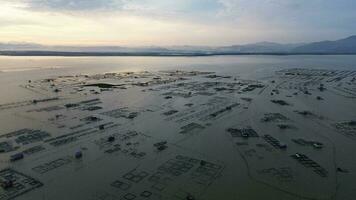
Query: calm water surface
{"points": [[15, 71], [219, 63]]}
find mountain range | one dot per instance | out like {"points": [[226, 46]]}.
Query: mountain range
{"points": [[342, 46]]}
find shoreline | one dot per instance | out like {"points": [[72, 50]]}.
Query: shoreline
{"points": [[123, 54]]}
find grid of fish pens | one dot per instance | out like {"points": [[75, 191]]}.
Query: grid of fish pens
{"points": [[309, 163]]}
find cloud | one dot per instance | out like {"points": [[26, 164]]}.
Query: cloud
{"points": [[287, 13], [158, 6], [176, 21], [73, 5]]}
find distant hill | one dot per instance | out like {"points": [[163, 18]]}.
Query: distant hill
{"points": [[15, 46], [38, 47], [343, 46], [261, 47]]}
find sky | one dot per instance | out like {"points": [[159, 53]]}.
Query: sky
{"points": [[174, 22]]}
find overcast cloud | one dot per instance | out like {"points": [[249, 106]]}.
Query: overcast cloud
{"points": [[162, 22]]}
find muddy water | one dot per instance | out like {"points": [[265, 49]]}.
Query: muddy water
{"points": [[246, 169]]}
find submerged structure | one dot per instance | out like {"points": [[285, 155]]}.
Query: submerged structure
{"points": [[181, 135]]}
